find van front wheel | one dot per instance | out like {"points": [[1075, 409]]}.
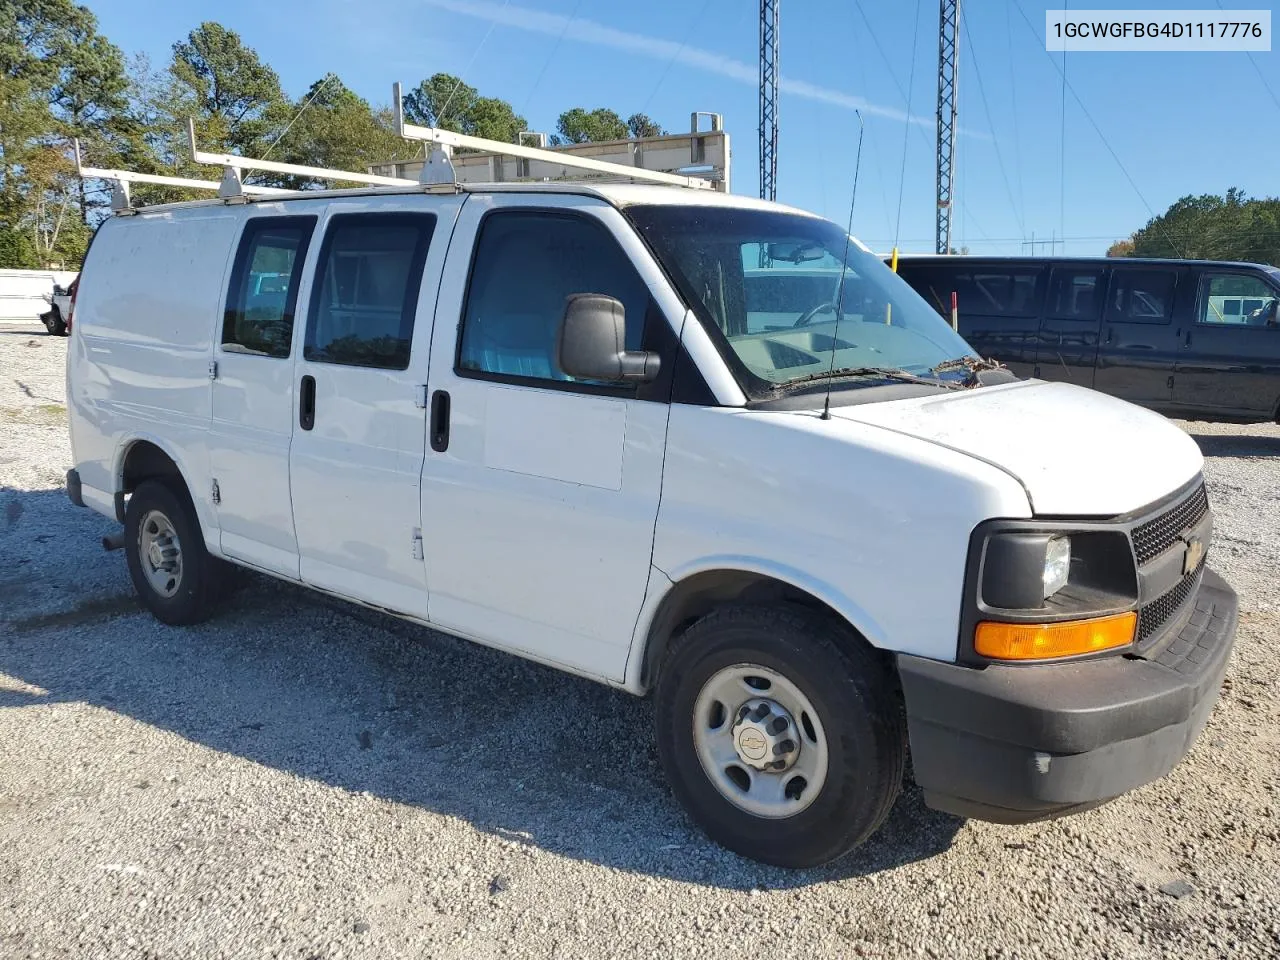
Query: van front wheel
{"points": [[174, 575], [780, 734]]}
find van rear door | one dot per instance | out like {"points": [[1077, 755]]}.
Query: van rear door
{"points": [[359, 433]]}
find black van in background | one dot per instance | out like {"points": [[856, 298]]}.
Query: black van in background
{"points": [[1189, 338]]}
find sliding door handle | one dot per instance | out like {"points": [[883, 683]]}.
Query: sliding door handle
{"points": [[440, 421], [307, 403]]}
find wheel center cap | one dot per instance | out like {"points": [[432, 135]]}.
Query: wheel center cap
{"points": [[765, 736], [155, 555]]}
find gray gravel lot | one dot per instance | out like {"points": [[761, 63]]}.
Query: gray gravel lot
{"points": [[300, 778]]}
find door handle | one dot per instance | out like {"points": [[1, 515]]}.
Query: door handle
{"points": [[440, 421], [1187, 341], [307, 403]]}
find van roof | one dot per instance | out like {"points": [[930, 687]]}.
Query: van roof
{"points": [[615, 194], [1169, 261]]}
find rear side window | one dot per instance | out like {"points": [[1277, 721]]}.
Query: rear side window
{"points": [[258, 319], [365, 296], [1142, 296], [980, 291], [1075, 294]]}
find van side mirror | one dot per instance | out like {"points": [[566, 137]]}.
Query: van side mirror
{"points": [[592, 342]]}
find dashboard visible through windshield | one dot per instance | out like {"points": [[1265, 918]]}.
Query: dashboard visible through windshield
{"points": [[788, 297]]}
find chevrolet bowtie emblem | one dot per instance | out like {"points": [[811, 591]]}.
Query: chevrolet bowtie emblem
{"points": [[1195, 553]]}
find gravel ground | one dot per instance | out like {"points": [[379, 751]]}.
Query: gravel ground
{"points": [[303, 779]]}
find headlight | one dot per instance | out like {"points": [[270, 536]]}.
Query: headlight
{"points": [[1057, 565], [1043, 590]]}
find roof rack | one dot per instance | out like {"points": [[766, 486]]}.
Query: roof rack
{"points": [[120, 180], [232, 186], [439, 166], [232, 164], [437, 173]]}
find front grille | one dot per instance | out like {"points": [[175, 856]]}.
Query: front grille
{"points": [[1157, 613], [1154, 537]]}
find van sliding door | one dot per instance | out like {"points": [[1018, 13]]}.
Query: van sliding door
{"points": [[1068, 343], [252, 387], [1139, 342], [359, 435]]}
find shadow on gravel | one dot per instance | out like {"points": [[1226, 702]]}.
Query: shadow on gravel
{"points": [[1237, 445], [325, 690], [33, 328]]}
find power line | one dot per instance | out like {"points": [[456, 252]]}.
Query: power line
{"points": [[1013, 94], [986, 106], [555, 47], [902, 176], [1093, 123], [1062, 146], [467, 69], [679, 50], [323, 83], [1190, 235], [1258, 70], [888, 64]]}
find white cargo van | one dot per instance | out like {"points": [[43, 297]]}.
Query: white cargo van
{"points": [[684, 443]]}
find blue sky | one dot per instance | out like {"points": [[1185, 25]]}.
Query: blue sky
{"points": [[1178, 123]]}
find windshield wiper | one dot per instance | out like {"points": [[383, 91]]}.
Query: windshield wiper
{"points": [[967, 362], [883, 373]]}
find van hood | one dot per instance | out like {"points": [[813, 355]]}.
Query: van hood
{"points": [[1075, 451]]}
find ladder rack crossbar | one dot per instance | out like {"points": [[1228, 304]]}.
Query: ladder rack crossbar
{"points": [[298, 170], [129, 176], [447, 138]]}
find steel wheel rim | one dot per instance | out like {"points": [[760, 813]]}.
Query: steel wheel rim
{"points": [[718, 726], [160, 553]]}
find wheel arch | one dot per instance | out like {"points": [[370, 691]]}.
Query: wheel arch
{"points": [[146, 457], [695, 592]]}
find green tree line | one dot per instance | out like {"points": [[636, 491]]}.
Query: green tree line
{"points": [[1210, 227], [61, 79]]}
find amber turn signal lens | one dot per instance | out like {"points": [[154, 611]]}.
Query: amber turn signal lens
{"points": [[1044, 641]]}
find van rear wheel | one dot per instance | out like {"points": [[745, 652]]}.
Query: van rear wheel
{"points": [[780, 733], [172, 572]]}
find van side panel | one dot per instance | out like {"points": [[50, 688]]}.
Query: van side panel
{"points": [[873, 523], [149, 296]]}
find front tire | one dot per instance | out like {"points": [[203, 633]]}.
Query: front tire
{"points": [[780, 733], [172, 572], [54, 323]]}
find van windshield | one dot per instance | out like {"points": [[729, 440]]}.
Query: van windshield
{"points": [[767, 286]]}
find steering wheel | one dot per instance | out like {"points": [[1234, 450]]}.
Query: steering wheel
{"points": [[807, 317]]}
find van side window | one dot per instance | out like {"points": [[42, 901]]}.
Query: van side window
{"points": [[1142, 296], [365, 295], [258, 318], [526, 265], [1238, 299], [1075, 294]]}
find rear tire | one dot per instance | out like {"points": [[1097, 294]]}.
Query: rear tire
{"points": [[54, 323], [175, 576], [855, 737]]}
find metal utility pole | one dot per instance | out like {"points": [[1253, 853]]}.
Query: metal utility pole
{"points": [[948, 14], [769, 99]]}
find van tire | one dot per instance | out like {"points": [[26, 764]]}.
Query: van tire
{"points": [[861, 723], [54, 323], [201, 580]]}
